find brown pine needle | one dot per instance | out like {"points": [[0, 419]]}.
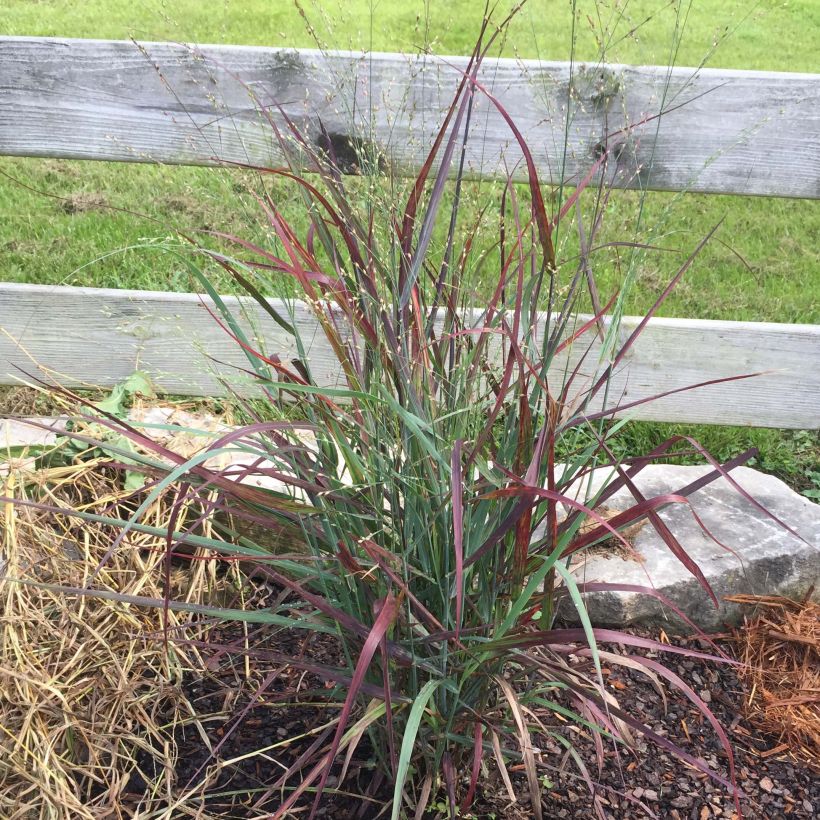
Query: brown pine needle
{"points": [[780, 651]]}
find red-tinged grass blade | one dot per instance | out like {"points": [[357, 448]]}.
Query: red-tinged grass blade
{"points": [[668, 675], [524, 455], [720, 470], [335, 218], [264, 303], [627, 345], [456, 484], [237, 722], [342, 618], [530, 496], [475, 771], [330, 674], [746, 495], [584, 418], [192, 464], [250, 494], [354, 744], [383, 622], [675, 547], [663, 530], [642, 509], [637, 464], [388, 710], [662, 671], [657, 739], [581, 187], [589, 324], [382, 559], [408, 221], [539, 208], [595, 716], [385, 619], [602, 586], [560, 640], [298, 764], [429, 220], [647, 507]]}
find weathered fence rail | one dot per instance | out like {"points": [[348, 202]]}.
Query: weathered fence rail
{"points": [[720, 131], [98, 337]]}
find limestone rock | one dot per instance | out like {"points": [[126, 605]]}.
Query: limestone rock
{"points": [[767, 559]]}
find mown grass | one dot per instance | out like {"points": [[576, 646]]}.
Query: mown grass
{"points": [[768, 270], [767, 273]]}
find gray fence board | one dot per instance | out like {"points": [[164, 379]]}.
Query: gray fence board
{"points": [[86, 336], [726, 131]]}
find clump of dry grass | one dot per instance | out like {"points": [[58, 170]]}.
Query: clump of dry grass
{"points": [[780, 650], [87, 685]]}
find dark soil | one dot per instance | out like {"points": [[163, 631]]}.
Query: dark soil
{"points": [[261, 721], [253, 718]]}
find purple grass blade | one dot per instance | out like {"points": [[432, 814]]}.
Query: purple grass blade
{"points": [[385, 619], [621, 408], [475, 771], [532, 494], [559, 640], [627, 345], [388, 707], [603, 586], [699, 704]]}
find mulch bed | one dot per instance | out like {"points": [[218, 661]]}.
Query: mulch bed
{"points": [[252, 727]]}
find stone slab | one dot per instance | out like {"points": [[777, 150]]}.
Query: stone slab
{"points": [[767, 559]]}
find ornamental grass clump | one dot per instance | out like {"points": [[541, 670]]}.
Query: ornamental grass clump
{"points": [[434, 502], [436, 493]]}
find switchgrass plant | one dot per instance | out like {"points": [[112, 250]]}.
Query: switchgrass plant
{"points": [[428, 522]]}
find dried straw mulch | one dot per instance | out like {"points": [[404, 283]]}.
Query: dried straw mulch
{"points": [[780, 651], [86, 684]]}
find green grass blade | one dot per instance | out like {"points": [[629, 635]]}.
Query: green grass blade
{"points": [[409, 741]]}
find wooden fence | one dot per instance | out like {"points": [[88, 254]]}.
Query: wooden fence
{"points": [[715, 131]]}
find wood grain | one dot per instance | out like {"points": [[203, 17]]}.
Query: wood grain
{"points": [[724, 131], [86, 336]]}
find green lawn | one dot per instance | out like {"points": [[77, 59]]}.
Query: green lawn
{"points": [[767, 270], [768, 267]]}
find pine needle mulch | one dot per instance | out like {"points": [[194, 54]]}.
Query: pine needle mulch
{"points": [[779, 647], [87, 684]]}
